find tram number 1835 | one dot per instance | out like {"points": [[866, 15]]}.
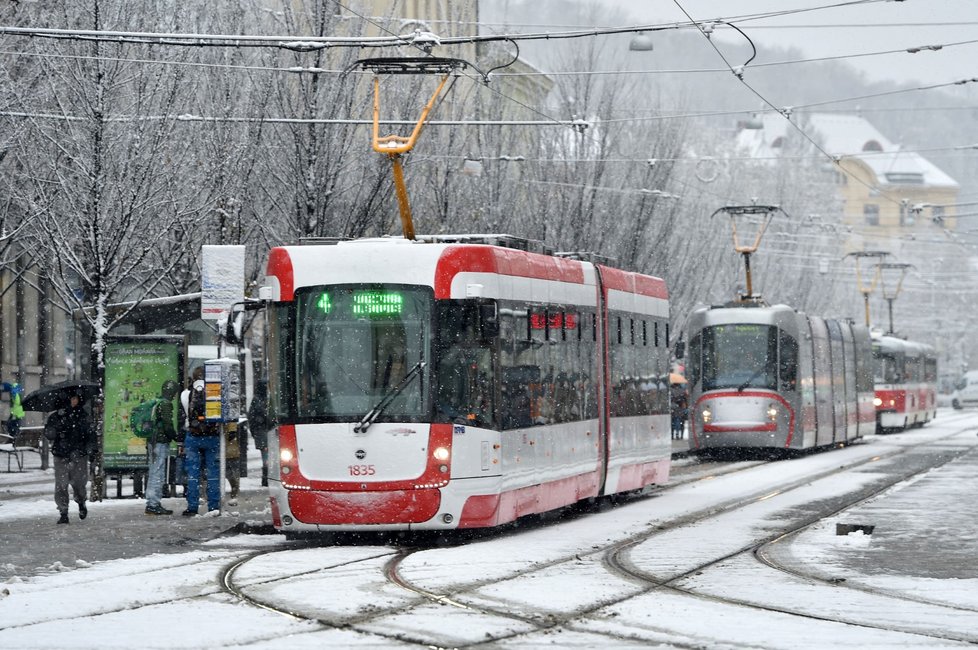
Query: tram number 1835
{"points": [[362, 470]]}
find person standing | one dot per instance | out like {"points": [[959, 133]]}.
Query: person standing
{"points": [[202, 439], [72, 439], [258, 425], [158, 448], [679, 409], [232, 461]]}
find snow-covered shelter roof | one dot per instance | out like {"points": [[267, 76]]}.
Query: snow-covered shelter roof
{"points": [[848, 136]]}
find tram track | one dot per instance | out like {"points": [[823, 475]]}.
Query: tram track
{"points": [[617, 560], [764, 555], [614, 556], [539, 621]]}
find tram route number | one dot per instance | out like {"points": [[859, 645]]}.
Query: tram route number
{"points": [[361, 470]]}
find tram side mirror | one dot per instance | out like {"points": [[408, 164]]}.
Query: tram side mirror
{"points": [[488, 321], [233, 329]]}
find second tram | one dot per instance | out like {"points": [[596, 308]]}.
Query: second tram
{"points": [[771, 377], [906, 383], [458, 382]]}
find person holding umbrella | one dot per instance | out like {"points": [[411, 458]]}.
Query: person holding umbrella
{"points": [[73, 439]]}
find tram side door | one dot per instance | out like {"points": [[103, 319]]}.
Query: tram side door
{"points": [[604, 385], [822, 363]]}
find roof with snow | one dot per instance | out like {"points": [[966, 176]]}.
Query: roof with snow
{"points": [[848, 136]]}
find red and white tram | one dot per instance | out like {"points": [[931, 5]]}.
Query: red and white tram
{"points": [[906, 383], [458, 382]]}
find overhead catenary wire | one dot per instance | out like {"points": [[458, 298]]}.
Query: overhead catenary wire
{"points": [[310, 43], [551, 121], [618, 72], [575, 124]]}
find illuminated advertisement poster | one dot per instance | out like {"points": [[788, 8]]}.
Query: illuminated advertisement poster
{"points": [[135, 369]]}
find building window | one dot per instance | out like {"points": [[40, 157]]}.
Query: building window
{"points": [[872, 214], [872, 145], [937, 214], [906, 214], [905, 178]]}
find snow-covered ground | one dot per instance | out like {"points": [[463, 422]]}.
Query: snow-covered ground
{"points": [[913, 582]]}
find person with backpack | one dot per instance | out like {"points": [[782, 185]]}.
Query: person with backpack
{"points": [[161, 433], [203, 439]]}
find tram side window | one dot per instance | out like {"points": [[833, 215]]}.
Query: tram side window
{"points": [[544, 382], [887, 368], [788, 361], [693, 360], [281, 348], [516, 371], [637, 376], [463, 367], [914, 369]]}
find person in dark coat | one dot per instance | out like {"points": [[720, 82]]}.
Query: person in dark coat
{"points": [[258, 425], [73, 440], [679, 408]]}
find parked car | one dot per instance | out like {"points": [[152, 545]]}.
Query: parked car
{"points": [[966, 394]]}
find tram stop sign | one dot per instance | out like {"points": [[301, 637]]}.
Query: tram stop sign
{"points": [[222, 388]]}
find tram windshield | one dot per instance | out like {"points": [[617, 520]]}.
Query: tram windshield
{"points": [[354, 344], [887, 366], [739, 356]]}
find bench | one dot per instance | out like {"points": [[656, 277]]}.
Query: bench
{"points": [[14, 447]]}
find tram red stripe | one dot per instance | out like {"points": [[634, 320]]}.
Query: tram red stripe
{"points": [[494, 509], [719, 428], [280, 265], [643, 285], [634, 477], [504, 261], [357, 508]]}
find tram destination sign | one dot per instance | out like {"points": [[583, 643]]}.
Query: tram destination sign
{"points": [[373, 304]]}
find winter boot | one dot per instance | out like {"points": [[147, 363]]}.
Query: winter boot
{"points": [[64, 518], [82, 510]]}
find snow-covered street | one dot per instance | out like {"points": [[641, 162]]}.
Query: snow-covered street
{"points": [[744, 558]]}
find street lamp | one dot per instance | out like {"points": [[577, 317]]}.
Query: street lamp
{"points": [[891, 281], [867, 289], [748, 221], [641, 42]]}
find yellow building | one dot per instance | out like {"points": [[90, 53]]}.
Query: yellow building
{"points": [[888, 195]]}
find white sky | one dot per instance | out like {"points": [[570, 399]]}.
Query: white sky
{"points": [[951, 21]]}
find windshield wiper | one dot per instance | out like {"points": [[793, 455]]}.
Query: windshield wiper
{"points": [[386, 400], [757, 373]]}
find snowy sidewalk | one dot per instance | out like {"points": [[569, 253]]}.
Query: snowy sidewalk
{"points": [[32, 543]]}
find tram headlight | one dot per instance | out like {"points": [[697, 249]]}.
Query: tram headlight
{"points": [[772, 412], [877, 401], [441, 453], [286, 455], [706, 415]]}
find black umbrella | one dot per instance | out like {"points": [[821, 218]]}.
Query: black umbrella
{"points": [[56, 396]]}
